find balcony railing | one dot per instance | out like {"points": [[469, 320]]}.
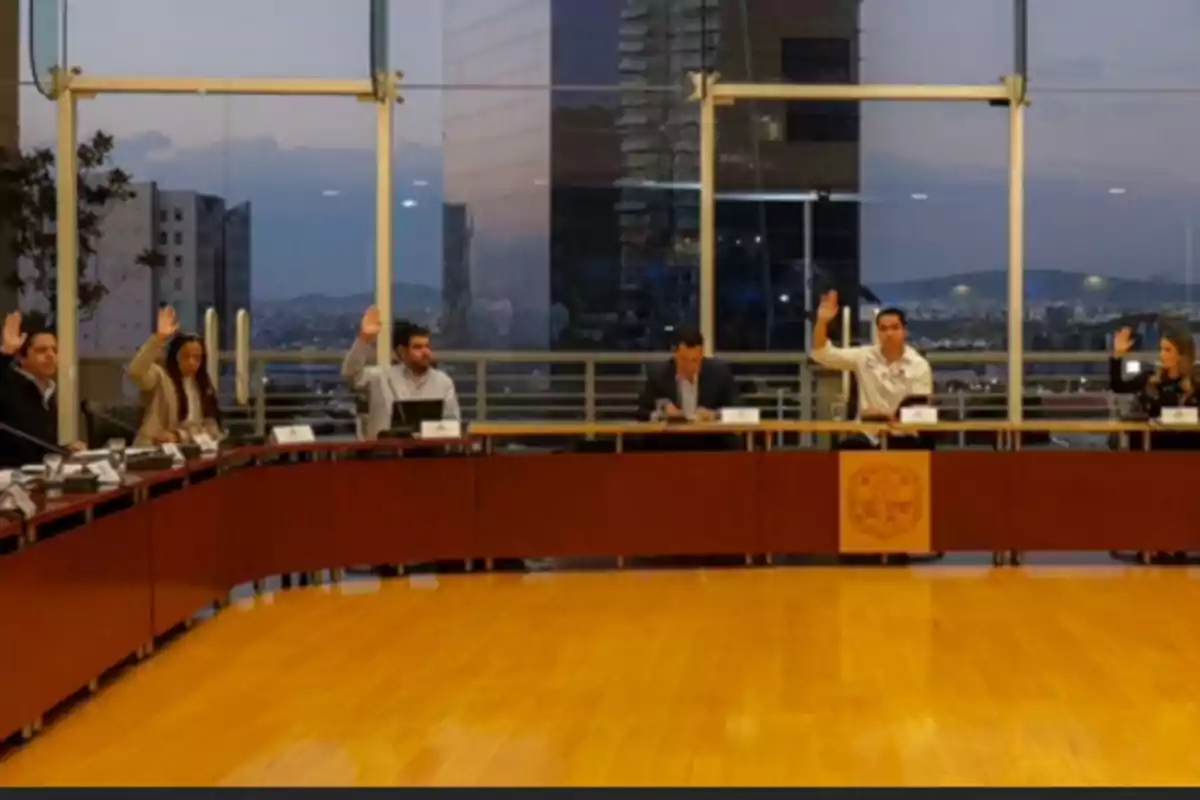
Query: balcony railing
{"points": [[304, 387]]}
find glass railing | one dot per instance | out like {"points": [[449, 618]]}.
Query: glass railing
{"points": [[304, 387]]}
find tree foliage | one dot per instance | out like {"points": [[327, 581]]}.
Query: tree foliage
{"points": [[29, 216]]}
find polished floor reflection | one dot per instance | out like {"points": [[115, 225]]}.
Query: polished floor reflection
{"points": [[786, 676]]}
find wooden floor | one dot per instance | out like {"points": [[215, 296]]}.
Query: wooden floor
{"points": [[928, 676]]}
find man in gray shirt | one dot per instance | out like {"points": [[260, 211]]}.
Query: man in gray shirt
{"points": [[414, 378]]}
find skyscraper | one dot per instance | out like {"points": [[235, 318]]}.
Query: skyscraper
{"points": [[456, 276], [585, 200]]}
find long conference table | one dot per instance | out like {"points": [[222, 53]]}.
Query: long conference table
{"points": [[91, 580]]}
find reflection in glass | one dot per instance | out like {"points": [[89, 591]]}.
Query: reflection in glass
{"points": [[44, 38]]}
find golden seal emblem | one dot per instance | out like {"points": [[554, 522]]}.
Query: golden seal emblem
{"points": [[885, 501]]}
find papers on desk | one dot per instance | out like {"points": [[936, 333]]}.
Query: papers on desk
{"points": [[88, 455], [15, 498], [104, 472]]}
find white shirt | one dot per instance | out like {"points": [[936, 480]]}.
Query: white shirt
{"points": [[397, 382], [881, 385]]}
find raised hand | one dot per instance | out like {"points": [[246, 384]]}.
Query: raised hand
{"points": [[1122, 342], [370, 326], [828, 310], [168, 323], [13, 337]]}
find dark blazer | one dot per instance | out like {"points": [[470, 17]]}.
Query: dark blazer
{"points": [[1169, 394], [23, 407], [715, 387]]}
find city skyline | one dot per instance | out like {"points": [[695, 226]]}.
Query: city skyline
{"points": [[307, 165]]}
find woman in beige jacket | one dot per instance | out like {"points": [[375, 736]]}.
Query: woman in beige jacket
{"points": [[179, 399]]}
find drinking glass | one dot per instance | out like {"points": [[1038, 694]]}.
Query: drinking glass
{"points": [[116, 454], [53, 463]]}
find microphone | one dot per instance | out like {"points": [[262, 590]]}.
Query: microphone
{"points": [[20, 434]]}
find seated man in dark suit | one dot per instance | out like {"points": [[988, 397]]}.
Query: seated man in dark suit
{"points": [[689, 387]]}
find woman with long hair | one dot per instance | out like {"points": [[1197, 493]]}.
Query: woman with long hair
{"points": [[178, 396], [1171, 384]]}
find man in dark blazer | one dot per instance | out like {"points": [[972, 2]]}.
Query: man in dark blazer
{"points": [[688, 387]]}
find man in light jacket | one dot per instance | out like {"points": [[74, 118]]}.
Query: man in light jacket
{"points": [[413, 378]]}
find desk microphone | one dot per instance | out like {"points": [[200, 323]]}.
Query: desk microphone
{"points": [[20, 434]]}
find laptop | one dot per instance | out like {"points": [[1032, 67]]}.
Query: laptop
{"points": [[407, 415]]}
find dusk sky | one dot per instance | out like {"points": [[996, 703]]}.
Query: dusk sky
{"points": [[289, 155]]}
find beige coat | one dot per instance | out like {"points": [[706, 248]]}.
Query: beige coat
{"points": [[160, 400]]}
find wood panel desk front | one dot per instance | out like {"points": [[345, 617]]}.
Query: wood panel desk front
{"points": [[145, 558]]}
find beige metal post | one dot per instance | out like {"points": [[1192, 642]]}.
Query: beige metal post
{"points": [[70, 85], [708, 210], [383, 219], [1016, 249], [66, 313]]}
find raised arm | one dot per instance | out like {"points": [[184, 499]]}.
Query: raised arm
{"points": [[1122, 344], [354, 365], [823, 351], [143, 369], [10, 344]]}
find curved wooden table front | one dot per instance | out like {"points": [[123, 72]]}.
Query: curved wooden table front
{"points": [[126, 566]]}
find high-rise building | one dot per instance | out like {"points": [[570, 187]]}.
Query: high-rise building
{"points": [[202, 250], [207, 250], [125, 317], [237, 271], [586, 201], [454, 327]]}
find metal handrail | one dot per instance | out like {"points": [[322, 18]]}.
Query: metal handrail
{"points": [[493, 385]]}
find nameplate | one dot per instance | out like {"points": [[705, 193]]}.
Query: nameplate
{"points": [[104, 472], [293, 434], [918, 415], [208, 445], [171, 449], [15, 498], [740, 416], [1179, 416], [441, 429]]}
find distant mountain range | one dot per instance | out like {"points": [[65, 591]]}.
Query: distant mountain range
{"points": [[408, 298], [1041, 285]]}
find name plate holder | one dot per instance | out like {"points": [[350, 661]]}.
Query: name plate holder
{"points": [[171, 449], [740, 416], [293, 434], [16, 498], [918, 415], [105, 473], [208, 445], [441, 429], [1182, 415]]}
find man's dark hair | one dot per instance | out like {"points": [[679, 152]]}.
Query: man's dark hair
{"points": [[32, 327], [895, 312], [404, 331], [689, 337]]}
